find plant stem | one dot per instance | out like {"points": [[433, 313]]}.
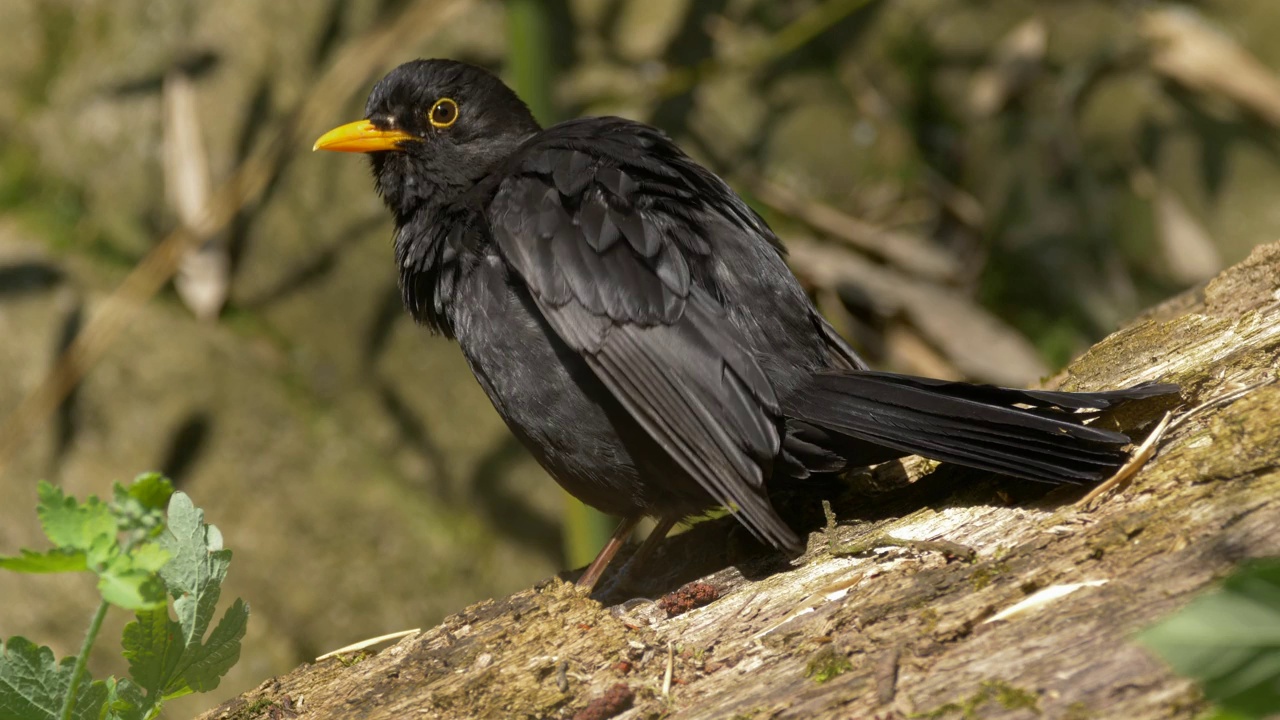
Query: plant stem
{"points": [[77, 673], [529, 56]]}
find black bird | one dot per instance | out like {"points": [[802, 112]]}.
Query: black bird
{"points": [[635, 324]]}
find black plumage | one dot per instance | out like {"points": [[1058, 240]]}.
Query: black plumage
{"points": [[635, 324]]}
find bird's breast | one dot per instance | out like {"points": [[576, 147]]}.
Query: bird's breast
{"points": [[545, 392]]}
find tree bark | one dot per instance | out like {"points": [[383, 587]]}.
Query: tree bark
{"points": [[1038, 622]]}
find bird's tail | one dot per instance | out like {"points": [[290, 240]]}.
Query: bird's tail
{"points": [[1032, 434]]}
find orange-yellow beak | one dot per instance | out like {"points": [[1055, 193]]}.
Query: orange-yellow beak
{"points": [[361, 136]]}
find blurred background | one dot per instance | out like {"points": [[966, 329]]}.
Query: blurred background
{"points": [[970, 188]]}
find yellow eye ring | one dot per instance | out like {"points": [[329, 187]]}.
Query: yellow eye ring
{"points": [[444, 113]]}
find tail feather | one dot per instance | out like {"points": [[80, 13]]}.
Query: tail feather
{"points": [[992, 428], [993, 394], [1031, 434]]}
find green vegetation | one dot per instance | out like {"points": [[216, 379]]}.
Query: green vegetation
{"points": [[142, 555], [1229, 640]]}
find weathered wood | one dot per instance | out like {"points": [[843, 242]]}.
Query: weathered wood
{"points": [[900, 631]]}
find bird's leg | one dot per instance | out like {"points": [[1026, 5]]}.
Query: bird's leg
{"points": [[650, 543], [641, 554], [592, 575]]}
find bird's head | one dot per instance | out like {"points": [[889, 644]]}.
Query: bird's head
{"points": [[432, 129]]}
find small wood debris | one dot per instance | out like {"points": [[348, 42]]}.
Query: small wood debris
{"points": [[616, 700], [693, 595]]}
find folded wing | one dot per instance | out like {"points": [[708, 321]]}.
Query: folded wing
{"points": [[613, 265]]}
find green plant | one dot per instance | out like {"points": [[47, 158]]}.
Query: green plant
{"points": [[143, 554], [1229, 640]]}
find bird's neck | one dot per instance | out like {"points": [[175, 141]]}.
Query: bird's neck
{"points": [[439, 206], [411, 196], [437, 246], [416, 185]]}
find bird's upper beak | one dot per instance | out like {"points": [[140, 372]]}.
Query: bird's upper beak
{"points": [[361, 136]]}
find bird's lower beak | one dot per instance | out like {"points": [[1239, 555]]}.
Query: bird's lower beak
{"points": [[361, 136]]}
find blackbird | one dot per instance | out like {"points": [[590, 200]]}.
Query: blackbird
{"points": [[635, 324]]}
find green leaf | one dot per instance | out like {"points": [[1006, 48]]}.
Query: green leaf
{"points": [[131, 581], [131, 589], [153, 648], [148, 557], [170, 658], [33, 684], [125, 701], [72, 525], [201, 668], [1220, 714], [54, 561], [1229, 640], [151, 490], [140, 561], [87, 536], [197, 567]]}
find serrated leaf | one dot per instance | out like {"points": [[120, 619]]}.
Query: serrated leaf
{"points": [[202, 668], [91, 698], [152, 645], [196, 569], [125, 701], [33, 684], [1229, 640], [140, 560], [170, 658], [54, 561], [70, 524]]}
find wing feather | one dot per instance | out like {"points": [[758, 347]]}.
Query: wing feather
{"points": [[660, 343]]}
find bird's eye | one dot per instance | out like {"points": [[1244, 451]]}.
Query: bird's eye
{"points": [[444, 113]]}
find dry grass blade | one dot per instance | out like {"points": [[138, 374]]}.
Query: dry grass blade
{"points": [[1186, 50], [204, 273], [906, 348], [1190, 253], [350, 70], [1017, 60], [353, 647], [910, 253], [1148, 447], [829, 593], [1130, 468], [969, 337], [671, 666], [1041, 598]]}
